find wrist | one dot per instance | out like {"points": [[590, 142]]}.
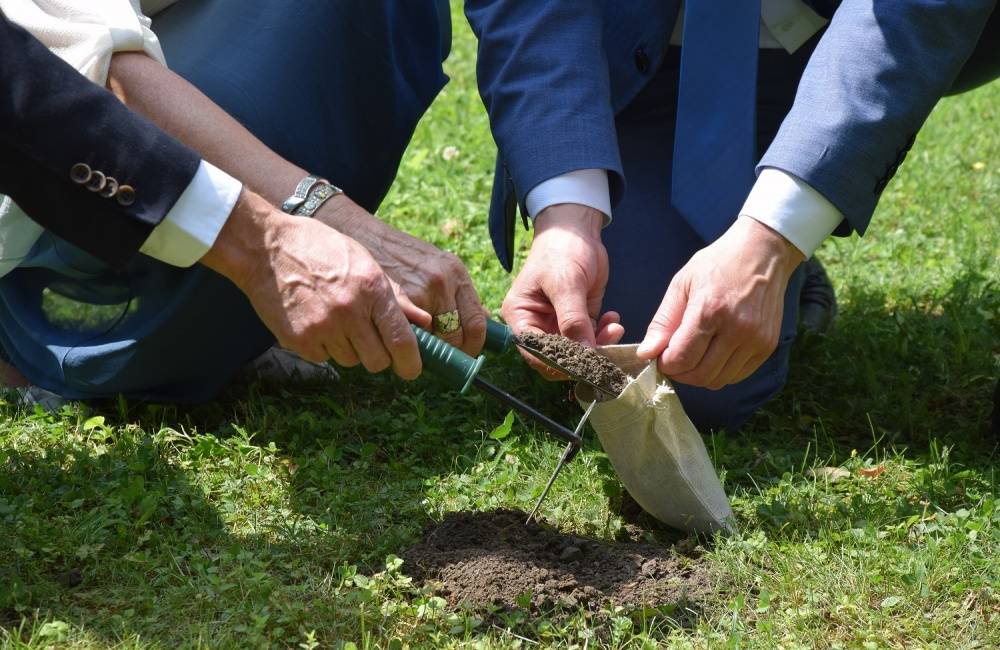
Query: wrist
{"points": [[574, 218], [776, 245], [247, 232], [342, 214]]}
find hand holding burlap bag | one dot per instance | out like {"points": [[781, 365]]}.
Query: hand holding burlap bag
{"points": [[655, 449]]}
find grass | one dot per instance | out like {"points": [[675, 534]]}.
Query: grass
{"points": [[273, 516]]}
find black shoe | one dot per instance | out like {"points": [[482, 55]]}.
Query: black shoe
{"points": [[817, 301]]}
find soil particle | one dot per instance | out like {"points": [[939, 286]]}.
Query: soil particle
{"points": [[494, 559], [578, 359]]}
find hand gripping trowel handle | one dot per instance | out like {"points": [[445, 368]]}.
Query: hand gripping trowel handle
{"points": [[462, 371]]}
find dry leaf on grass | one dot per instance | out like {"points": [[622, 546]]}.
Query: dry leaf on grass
{"points": [[872, 472], [832, 474]]}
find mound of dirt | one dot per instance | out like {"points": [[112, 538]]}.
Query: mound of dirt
{"points": [[493, 558], [578, 359]]}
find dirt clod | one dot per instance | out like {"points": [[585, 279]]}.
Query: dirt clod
{"points": [[578, 359], [493, 558]]}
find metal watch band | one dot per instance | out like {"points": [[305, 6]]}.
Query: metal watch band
{"points": [[319, 195], [301, 194]]}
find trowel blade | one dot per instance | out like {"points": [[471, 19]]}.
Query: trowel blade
{"points": [[601, 392]]}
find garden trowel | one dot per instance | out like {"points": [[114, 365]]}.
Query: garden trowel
{"points": [[462, 371]]}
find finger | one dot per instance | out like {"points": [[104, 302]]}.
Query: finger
{"points": [[455, 336], [750, 366], [573, 317], [341, 351], [413, 313], [707, 374], [399, 340], [367, 341], [687, 344], [473, 318], [732, 373], [609, 329], [666, 321]]}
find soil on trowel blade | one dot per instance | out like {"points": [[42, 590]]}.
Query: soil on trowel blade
{"points": [[578, 359], [493, 558]]}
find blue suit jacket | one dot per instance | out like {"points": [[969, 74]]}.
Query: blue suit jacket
{"points": [[51, 118], [553, 75]]}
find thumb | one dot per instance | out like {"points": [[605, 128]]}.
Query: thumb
{"points": [[574, 318], [665, 322]]}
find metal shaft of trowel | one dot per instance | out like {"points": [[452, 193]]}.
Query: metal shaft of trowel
{"points": [[567, 455], [526, 409]]}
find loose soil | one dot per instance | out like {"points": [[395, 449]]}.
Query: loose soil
{"points": [[578, 359], [493, 559]]}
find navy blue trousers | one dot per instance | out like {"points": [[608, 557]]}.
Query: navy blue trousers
{"points": [[648, 241], [336, 86]]}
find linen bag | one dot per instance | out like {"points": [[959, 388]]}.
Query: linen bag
{"points": [[655, 449]]}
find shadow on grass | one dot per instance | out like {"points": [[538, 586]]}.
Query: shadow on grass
{"points": [[910, 379], [114, 525], [110, 533], [899, 374], [78, 518]]}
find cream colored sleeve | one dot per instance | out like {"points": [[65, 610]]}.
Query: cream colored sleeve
{"points": [[85, 33]]}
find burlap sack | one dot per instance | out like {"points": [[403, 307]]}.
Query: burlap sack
{"points": [[656, 451]]}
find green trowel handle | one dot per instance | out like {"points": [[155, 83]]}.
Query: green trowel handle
{"points": [[446, 361], [499, 337]]}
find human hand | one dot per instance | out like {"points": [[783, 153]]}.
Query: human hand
{"points": [[721, 316], [435, 280], [318, 291], [560, 288]]}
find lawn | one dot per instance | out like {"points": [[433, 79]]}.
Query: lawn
{"points": [[275, 515]]}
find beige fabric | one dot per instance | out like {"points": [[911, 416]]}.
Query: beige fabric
{"points": [[85, 33], [656, 451]]}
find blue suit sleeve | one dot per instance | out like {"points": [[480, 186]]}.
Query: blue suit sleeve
{"points": [[868, 88], [51, 118], [544, 79]]}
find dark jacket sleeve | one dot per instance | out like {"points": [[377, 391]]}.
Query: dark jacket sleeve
{"points": [[544, 79], [53, 118]]}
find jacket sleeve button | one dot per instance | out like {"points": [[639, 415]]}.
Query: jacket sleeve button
{"points": [[111, 188], [80, 173], [125, 196], [97, 181]]}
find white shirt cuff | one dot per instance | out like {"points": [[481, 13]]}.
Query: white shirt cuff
{"points": [[191, 226], [790, 206], [587, 187]]}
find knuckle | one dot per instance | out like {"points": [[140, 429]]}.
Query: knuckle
{"points": [[453, 262], [398, 339], [437, 280], [372, 281], [713, 309], [744, 322], [475, 325]]}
